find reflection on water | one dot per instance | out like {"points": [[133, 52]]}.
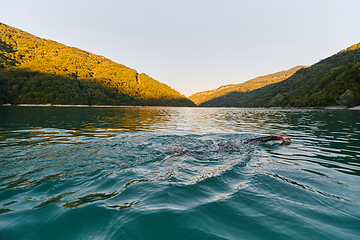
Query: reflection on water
{"points": [[83, 119], [106, 173]]}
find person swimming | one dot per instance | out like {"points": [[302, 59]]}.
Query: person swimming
{"points": [[224, 146]]}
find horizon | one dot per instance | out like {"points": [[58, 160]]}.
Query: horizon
{"points": [[194, 47]]}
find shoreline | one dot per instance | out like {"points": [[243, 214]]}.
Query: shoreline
{"points": [[66, 105], [130, 106]]}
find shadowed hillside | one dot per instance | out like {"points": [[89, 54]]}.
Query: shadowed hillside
{"points": [[25, 58], [332, 81]]}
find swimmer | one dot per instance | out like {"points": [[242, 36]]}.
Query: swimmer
{"points": [[224, 146]]}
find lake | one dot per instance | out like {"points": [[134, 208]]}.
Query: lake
{"points": [[117, 173]]}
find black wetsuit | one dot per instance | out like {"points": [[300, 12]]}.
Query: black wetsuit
{"points": [[263, 139]]}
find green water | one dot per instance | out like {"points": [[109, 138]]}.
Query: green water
{"points": [[113, 173]]}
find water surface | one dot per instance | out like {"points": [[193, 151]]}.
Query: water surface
{"points": [[112, 173]]}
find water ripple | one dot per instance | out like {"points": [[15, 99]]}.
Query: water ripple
{"points": [[119, 173]]}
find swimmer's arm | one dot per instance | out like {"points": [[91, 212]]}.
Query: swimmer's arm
{"points": [[267, 138]]}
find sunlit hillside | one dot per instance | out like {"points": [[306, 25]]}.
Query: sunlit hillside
{"points": [[247, 86], [36, 70]]}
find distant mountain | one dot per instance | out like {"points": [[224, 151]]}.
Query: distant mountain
{"points": [[36, 70], [332, 81], [255, 83]]}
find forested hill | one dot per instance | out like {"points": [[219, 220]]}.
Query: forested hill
{"points": [[36, 70], [247, 86], [332, 81]]}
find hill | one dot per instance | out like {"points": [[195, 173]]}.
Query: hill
{"points": [[332, 81], [36, 70], [250, 85]]}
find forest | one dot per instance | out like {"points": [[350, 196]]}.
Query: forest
{"points": [[330, 82], [36, 70], [39, 71]]}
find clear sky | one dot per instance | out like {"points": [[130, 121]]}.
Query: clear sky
{"points": [[195, 45]]}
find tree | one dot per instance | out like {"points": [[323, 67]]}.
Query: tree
{"points": [[346, 98]]}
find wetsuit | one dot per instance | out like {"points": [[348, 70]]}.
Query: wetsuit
{"points": [[263, 139]]}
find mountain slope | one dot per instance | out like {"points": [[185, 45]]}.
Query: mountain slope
{"points": [[250, 85], [332, 81], [21, 51]]}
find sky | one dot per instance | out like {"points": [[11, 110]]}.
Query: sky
{"points": [[195, 45]]}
